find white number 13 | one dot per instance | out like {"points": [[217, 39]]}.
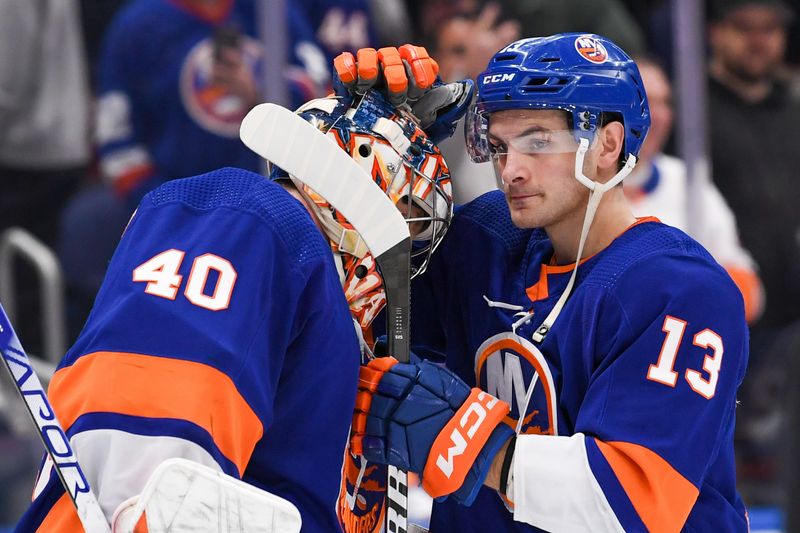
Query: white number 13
{"points": [[662, 371]]}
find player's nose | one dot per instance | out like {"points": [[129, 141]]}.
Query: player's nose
{"points": [[516, 167]]}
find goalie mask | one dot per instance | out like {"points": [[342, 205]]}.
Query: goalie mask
{"points": [[389, 145]]}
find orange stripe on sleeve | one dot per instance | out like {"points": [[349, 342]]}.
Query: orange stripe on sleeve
{"points": [[62, 517], [661, 496], [125, 183], [752, 291], [159, 387]]}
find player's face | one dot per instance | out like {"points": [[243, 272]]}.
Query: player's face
{"points": [[416, 227], [540, 188]]}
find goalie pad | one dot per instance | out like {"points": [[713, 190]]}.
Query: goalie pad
{"points": [[184, 496]]}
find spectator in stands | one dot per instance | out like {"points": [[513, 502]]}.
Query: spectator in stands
{"points": [[463, 42], [754, 127], [343, 25], [44, 132], [658, 187], [44, 112], [175, 79]]}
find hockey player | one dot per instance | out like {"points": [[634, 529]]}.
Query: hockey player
{"points": [[162, 116], [221, 334], [592, 358]]}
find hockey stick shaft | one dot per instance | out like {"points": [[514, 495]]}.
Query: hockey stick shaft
{"points": [[395, 268], [50, 431]]}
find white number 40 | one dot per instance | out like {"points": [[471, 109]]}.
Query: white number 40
{"points": [[662, 371], [161, 274]]}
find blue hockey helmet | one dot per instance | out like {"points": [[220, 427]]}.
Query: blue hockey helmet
{"points": [[584, 74]]}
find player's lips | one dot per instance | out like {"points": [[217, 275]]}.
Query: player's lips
{"points": [[520, 197]]}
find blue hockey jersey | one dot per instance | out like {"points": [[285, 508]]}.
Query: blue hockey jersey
{"points": [[160, 114], [629, 425], [220, 334], [339, 25]]}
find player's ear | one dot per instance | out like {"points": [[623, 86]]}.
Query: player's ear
{"points": [[612, 140]]}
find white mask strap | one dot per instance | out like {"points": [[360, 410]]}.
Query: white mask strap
{"points": [[596, 195]]}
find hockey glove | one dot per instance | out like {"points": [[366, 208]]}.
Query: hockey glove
{"points": [[425, 419], [409, 76]]}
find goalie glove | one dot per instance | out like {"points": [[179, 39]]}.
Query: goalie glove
{"points": [[425, 419], [407, 75]]}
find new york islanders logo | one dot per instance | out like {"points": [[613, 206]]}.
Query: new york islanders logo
{"points": [[511, 368], [209, 104], [591, 49]]}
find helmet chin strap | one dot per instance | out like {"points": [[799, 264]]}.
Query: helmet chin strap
{"points": [[597, 190]]}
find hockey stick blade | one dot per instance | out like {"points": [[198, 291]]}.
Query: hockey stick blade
{"points": [[50, 431], [287, 140]]}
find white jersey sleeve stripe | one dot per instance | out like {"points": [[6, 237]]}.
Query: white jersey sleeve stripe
{"points": [[118, 464], [554, 488]]}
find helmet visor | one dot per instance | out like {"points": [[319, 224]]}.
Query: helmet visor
{"points": [[527, 135]]}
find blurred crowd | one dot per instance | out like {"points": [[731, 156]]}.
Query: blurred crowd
{"points": [[103, 100]]}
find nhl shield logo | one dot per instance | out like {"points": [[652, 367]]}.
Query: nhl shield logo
{"points": [[591, 49]]}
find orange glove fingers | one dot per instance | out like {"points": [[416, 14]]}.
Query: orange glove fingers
{"points": [[393, 70], [423, 67], [367, 65], [345, 66]]}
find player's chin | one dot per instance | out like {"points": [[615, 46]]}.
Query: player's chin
{"points": [[527, 217]]}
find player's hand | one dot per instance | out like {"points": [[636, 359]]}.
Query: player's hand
{"points": [[407, 75], [418, 417], [406, 72], [235, 77]]}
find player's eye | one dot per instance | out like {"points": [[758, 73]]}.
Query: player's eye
{"points": [[497, 148], [535, 143]]}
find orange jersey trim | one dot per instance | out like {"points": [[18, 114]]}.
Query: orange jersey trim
{"points": [[662, 497], [159, 387], [61, 517], [126, 182], [749, 285], [213, 13], [538, 291]]}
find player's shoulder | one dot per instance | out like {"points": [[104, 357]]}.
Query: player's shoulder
{"points": [[656, 259], [227, 187], [487, 217], [248, 194]]}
